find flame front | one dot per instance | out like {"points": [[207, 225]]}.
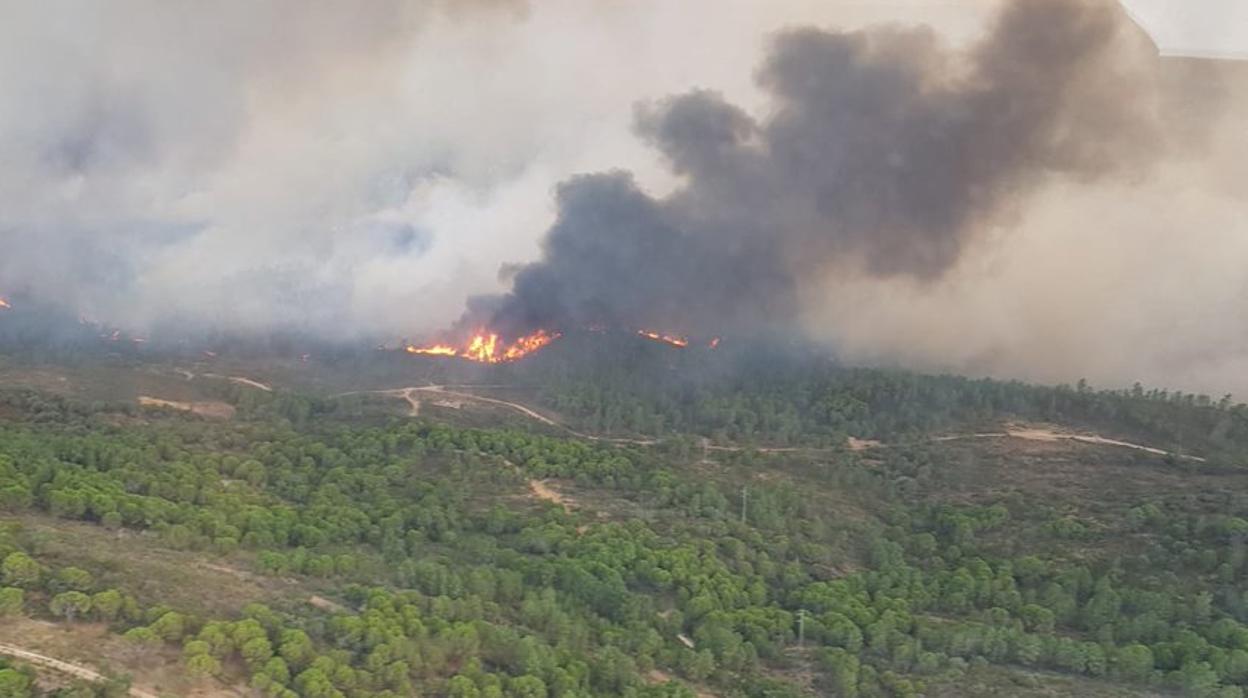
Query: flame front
{"points": [[527, 345], [435, 350], [665, 338], [481, 348], [488, 348]]}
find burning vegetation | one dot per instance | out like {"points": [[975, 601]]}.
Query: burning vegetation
{"points": [[487, 347], [4, 303], [665, 338]]}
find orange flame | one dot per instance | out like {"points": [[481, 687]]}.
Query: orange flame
{"points": [[436, 350], [527, 345], [489, 348], [482, 347], [4, 303], [672, 340]]}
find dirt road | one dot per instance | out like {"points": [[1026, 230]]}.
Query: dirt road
{"points": [[445, 391], [1034, 433], [1049, 434], [241, 380], [75, 670]]}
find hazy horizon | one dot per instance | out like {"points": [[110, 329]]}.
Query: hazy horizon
{"points": [[362, 171]]}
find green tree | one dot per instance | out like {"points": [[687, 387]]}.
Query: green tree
{"points": [[202, 665], [170, 627], [16, 684], [256, 652], [20, 570], [70, 605], [296, 648], [107, 605], [1134, 662], [277, 670], [527, 687], [462, 687], [12, 601], [70, 579]]}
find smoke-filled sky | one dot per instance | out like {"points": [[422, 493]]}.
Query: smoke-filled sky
{"points": [[1019, 188]]}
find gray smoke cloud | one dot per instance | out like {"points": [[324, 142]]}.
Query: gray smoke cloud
{"points": [[883, 153], [896, 194], [1014, 188]]}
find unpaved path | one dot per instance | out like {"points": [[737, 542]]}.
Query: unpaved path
{"points": [[405, 393], [214, 410], [443, 390], [1051, 434], [76, 670], [242, 380], [1032, 433]]}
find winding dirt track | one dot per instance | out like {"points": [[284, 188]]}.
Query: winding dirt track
{"points": [[241, 380], [75, 670], [1050, 435], [1012, 431], [407, 393]]}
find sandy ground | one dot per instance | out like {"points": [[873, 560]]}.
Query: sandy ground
{"points": [[543, 491], [81, 649], [75, 670], [326, 605], [247, 381], [1051, 434], [658, 676], [856, 444], [214, 410]]}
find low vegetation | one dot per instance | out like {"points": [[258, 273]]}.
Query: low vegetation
{"points": [[358, 551]]}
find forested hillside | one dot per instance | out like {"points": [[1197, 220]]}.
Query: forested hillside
{"points": [[363, 552], [759, 395]]}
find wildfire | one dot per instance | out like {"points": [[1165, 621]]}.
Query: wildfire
{"points": [[435, 350], [714, 343], [665, 338], [4, 303], [489, 348]]}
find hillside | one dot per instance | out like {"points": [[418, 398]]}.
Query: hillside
{"points": [[638, 521]]}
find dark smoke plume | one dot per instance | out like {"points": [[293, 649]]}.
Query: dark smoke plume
{"points": [[884, 153]]}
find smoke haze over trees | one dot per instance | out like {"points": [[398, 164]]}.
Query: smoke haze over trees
{"points": [[1028, 191], [883, 153]]}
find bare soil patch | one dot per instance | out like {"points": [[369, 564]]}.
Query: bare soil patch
{"points": [[253, 383], [326, 605], [856, 444], [211, 409], [89, 650], [541, 490], [140, 564]]}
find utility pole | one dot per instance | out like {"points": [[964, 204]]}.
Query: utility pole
{"points": [[745, 498], [801, 626]]}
